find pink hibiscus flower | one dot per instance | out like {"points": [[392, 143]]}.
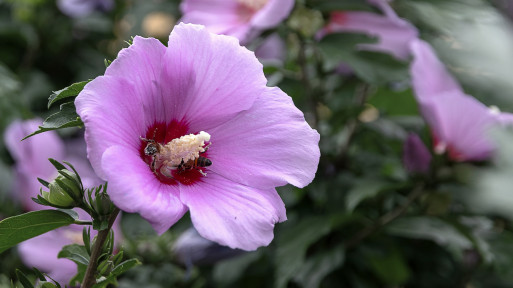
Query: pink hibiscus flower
{"points": [[459, 122], [192, 126], [393, 33], [243, 19]]}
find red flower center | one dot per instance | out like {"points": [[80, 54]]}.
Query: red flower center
{"points": [[157, 136]]}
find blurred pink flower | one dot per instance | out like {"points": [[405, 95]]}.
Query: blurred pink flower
{"points": [[393, 33], [416, 156], [459, 122], [82, 8], [243, 19], [272, 50], [31, 157], [202, 90]]}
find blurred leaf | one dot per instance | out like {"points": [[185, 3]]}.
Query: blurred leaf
{"points": [[430, 228], [334, 5], [76, 253], [473, 39], [16, 229], [373, 67], [316, 268], [386, 101], [65, 118], [23, 279], [228, 271], [70, 91], [292, 246], [390, 267], [366, 188]]}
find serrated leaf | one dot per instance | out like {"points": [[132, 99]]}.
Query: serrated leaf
{"points": [[65, 118], [70, 91], [16, 229], [76, 253]]}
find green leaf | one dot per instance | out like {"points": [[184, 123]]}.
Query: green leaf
{"points": [[125, 266], [23, 279], [292, 246], [362, 190], [76, 253], [316, 268], [65, 118], [70, 91], [16, 229], [337, 5], [228, 271], [390, 267], [430, 228], [372, 67]]}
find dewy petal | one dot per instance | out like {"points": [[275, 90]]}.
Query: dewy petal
{"points": [[134, 188], [140, 65], [461, 122], [209, 78], [113, 115], [267, 146], [232, 214], [429, 75], [272, 14]]}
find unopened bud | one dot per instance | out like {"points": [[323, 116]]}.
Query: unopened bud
{"points": [[416, 156], [65, 191]]}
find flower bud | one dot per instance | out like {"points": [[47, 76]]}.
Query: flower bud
{"points": [[103, 204], [416, 156], [65, 191]]}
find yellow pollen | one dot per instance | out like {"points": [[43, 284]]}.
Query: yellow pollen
{"points": [[253, 4], [184, 148]]}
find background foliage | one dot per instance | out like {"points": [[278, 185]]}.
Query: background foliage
{"points": [[364, 221]]}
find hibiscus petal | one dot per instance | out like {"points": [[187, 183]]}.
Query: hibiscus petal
{"points": [[429, 75], [266, 146], [461, 122], [134, 188], [210, 77], [140, 65], [113, 115], [272, 14], [232, 214]]}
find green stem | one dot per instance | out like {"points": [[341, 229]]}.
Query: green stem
{"points": [[89, 278], [78, 222]]}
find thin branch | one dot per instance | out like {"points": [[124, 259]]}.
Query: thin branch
{"points": [[78, 222], [385, 219], [89, 278]]}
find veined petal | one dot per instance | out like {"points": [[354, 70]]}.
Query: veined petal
{"points": [[266, 146], [140, 65], [133, 188], [429, 75], [232, 214], [209, 79], [113, 115]]}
